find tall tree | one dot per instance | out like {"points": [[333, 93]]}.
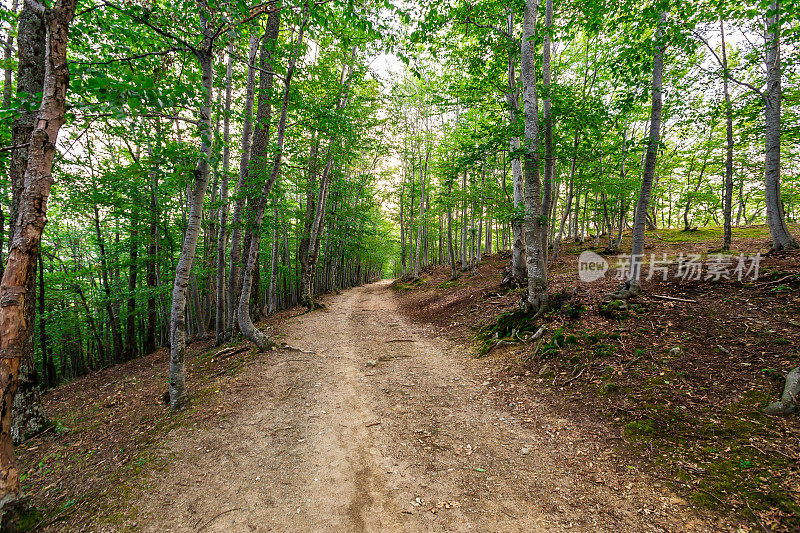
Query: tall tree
{"points": [[535, 222], [651, 157], [776, 216], [178, 393], [28, 415], [234, 272], [727, 195], [518, 269], [16, 333], [222, 239], [259, 202]]}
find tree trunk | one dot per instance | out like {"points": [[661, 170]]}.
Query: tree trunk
{"points": [[113, 317], [308, 223], [450, 250], [272, 300], [640, 222], [177, 372], [411, 218], [512, 101], [421, 219], [8, 49], [402, 229], [549, 163], [480, 211], [234, 273], [536, 259], [131, 350], [489, 230], [15, 331], [48, 368], [255, 308], [28, 416], [222, 238], [741, 209], [781, 238], [259, 203], [31, 43], [152, 256], [727, 196], [312, 254], [464, 222], [200, 323], [568, 202]]}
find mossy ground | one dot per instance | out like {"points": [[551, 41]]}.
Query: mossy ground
{"points": [[407, 284]]}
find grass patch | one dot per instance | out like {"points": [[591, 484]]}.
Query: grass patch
{"points": [[405, 285]]}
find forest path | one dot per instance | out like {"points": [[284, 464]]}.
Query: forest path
{"points": [[387, 428]]}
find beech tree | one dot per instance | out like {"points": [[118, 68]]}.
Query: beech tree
{"points": [[16, 333], [776, 217], [224, 161], [651, 157]]}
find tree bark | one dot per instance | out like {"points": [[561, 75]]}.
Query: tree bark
{"points": [[28, 416], [651, 158], [512, 101], [272, 296], [113, 317], [222, 238], [464, 222], [536, 258], [177, 369], [246, 325], [48, 368], [131, 350], [312, 253], [8, 50], [547, 115], [480, 211], [776, 219], [568, 202], [727, 197], [308, 221], [15, 331], [421, 219], [152, 255], [234, 273], [402, 229], [450, 250]]}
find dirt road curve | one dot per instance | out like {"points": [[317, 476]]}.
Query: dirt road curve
{"points": [[387, 428]]}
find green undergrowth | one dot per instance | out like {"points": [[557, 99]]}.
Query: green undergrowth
{"points": [[407, 284], [711, 234], [520, 326], [449, 284], [621, 309]]}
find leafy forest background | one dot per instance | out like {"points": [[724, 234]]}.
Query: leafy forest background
{"points": [[395, 145]]}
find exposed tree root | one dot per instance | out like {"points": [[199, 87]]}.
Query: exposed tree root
{"points": [[313, 305], [788, 402], [625, 290]]}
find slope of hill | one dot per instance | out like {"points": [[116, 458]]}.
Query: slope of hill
{"points": [[681, 376]]}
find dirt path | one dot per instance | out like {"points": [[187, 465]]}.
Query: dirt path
{"points": [[387, 428]]}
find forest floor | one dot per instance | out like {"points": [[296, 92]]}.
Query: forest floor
{"points": [[382, 418], [680, 382]]}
